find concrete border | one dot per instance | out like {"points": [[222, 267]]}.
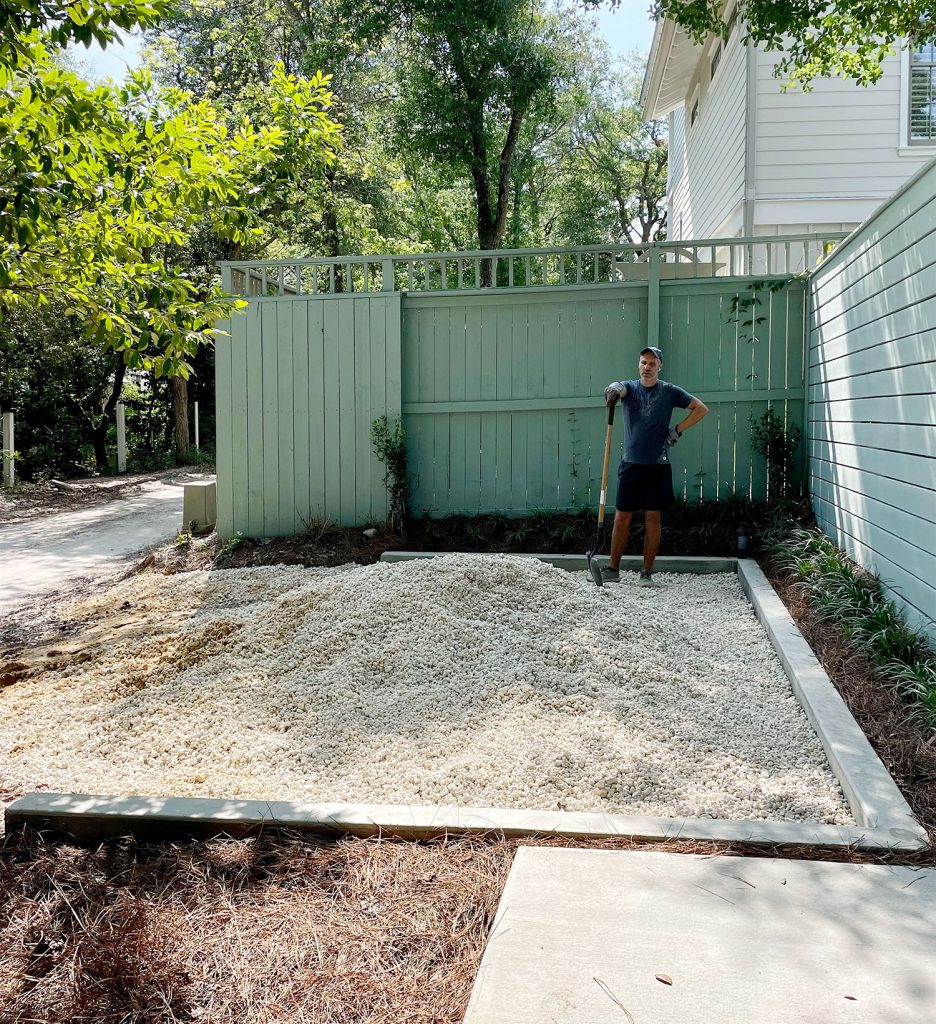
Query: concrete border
{"points": [[668, 563], [871, 792], [885, 821], [92, 817]]}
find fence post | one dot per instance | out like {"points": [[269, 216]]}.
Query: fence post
{"points": [[121, 438], [653, 296], [8, 449], [387, 283], [196, 426]]}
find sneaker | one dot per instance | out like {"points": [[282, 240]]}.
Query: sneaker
{"points": [[646, 579], [609, 575]]}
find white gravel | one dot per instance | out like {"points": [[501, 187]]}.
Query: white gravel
{"points": [[470, 679]]}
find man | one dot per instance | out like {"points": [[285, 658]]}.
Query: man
{"points": [[645, 477]]}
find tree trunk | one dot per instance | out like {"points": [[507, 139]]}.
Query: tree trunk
{"points": [[492, 218], [99, 429], [179, 386], [330, 225]]}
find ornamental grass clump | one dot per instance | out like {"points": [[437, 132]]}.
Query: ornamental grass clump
{"points": [[843, 593]]}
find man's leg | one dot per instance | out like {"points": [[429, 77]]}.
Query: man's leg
{"points": [[651, 539], [619, 532]]}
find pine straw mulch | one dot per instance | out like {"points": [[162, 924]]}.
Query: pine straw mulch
{"points": [[272, 930]]}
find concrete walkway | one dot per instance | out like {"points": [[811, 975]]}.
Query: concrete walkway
{"points": [[41, 555], [612, 937]]}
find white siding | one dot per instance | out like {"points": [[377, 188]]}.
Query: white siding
{"points": [[679, 223], [709, 155], [838, 141], [872, 397]]}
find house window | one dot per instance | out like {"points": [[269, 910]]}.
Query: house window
{"points": [[923, 94], [716, 57], [694, 113]]}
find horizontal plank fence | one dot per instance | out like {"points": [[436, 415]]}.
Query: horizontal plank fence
{"points": [[500, 392], [872, 397]]}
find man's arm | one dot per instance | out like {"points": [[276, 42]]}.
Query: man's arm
{"points": [[697, 410]]}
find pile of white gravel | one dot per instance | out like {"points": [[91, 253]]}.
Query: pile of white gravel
{"points": [[477, 680]]}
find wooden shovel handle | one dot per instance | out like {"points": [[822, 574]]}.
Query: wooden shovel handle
{"points": [[604, 468]]}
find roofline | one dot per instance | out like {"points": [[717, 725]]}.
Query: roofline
{"points": [[663, 36]]}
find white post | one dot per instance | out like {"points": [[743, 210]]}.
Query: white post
{"points": [[196, 425], [121, 439], [8, 449]]}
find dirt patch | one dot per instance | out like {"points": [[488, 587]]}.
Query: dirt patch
{"points": [[706, 528]]}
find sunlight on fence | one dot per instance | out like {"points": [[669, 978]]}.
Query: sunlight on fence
{"points": [[588, 265]]}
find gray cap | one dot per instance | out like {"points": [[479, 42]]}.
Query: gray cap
{"points": [[658, 352]]}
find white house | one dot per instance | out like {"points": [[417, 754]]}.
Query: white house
{"points": [[746, 158]]}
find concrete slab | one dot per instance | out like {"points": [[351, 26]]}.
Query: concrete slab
{"points": [[582, 936]]}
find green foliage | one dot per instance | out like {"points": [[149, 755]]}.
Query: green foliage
{"points": [[475, 73], [390, 448], [845, 594], [776, 440], [229, 547], [611, 164], [848, 38], [66, 21], [96, 182], [584, 169], [55, 385]]}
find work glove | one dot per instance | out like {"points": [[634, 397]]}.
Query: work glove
{"points": [[614, 391], [672, 437]]}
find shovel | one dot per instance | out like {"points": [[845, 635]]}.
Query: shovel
{"points": [[593, 567]]}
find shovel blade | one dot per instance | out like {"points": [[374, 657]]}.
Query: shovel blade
{"points": [[595, 569]]}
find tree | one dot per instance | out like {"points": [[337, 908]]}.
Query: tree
{"points": [[477, 71], [848, 38], [595, 172], [220, 49], [623, 158], [393, 187], [57, 386], [96, 181]]}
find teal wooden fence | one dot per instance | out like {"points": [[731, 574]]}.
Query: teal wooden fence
{"points": [[500, 391], [298, 384]]}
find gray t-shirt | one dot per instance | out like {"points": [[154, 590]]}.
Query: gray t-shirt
{"points": [[646, 414]]}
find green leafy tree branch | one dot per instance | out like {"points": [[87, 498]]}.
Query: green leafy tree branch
{"points": [[97, 182]]}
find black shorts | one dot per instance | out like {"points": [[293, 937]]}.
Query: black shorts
{"points": [[644, 488]]}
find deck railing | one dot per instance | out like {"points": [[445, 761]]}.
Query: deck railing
{"points": [[761, 256]]}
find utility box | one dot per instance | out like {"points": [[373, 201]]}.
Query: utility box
{"points": [[199, 507]]}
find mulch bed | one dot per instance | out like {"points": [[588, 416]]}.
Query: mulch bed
{"points": [[907, 748]]}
